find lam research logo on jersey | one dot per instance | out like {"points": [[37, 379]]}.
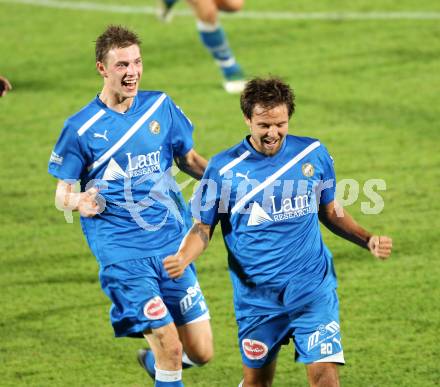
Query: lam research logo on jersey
{"points": [[289, 208], [136, 166], [113, 171], [258, 215], [154, 127]]}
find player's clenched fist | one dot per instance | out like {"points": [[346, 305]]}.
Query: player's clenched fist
{"points": [[174, 265], [88, 205], [380, 246]]}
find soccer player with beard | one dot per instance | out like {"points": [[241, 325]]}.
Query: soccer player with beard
{"points": [[121, 148], [269, 193]]}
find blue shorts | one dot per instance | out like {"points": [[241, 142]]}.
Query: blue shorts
{"points": [[314, 329], [144, 297]]}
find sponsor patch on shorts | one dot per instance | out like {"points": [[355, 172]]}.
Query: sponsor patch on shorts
{"points": [[254, 349], [155, 309]]}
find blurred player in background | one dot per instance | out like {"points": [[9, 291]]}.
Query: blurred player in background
{"points": [[213, 36], [5, 86], [121, 148], [269, 193]]}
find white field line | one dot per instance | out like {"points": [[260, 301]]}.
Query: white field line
{"points": [[339, 15]]}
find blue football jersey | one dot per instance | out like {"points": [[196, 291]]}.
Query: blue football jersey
{"points": [[128, 157], [267, 207]]}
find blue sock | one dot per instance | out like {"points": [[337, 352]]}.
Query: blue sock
{"points": [[179, 383], [214, 39], [168, 378], [170, 3], [149, 362]]}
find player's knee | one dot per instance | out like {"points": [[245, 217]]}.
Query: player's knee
{"points": [[201, 351], [257, 379], [250, 382], [175, 351], [209, 17], [205, 12], [170, 345], [172, 351], [325, 375], [204, 355], [230, 5]]}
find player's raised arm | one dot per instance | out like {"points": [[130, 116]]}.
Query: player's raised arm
{"points": [[192, 246], [192, 163], [340, 222], [84, 202]]}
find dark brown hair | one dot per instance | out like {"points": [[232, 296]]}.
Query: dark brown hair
{"points": [[268, 93], [114, 37]]}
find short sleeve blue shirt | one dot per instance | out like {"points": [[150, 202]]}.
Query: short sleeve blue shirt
{"points": [[267, 207], [128, 156]]}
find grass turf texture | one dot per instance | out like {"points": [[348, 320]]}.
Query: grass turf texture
{"points": [[366, 89]]}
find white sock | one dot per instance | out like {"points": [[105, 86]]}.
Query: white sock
{"points": [[188, 361], [168, 376]]}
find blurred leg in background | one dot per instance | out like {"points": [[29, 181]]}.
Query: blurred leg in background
{"points": [[213, 36]]}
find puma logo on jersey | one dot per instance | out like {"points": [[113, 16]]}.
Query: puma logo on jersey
{"points": [[238, 174], [99, 135], [337, 341]]}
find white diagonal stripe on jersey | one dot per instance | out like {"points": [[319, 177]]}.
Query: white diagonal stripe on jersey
{"points": [[234, 162], [275, 176], [130, 132], [90, 122]]}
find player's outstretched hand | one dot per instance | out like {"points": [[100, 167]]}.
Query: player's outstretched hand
{"points": [[174, 265], [87, 205], [380, 246]]}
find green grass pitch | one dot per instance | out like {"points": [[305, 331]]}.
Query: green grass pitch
{"points": [[368, 89]]}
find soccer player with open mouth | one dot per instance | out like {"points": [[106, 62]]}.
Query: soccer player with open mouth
{"points": [[121, 147], [269, 193]]}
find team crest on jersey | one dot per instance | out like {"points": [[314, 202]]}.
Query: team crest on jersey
{"points": [[254, 349], [308, 170], [155, 309], [154, 127]]}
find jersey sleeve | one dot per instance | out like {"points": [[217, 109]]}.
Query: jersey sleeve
{"points": [[328, 177], [67, 160], [205, 201], [181, 130]]}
